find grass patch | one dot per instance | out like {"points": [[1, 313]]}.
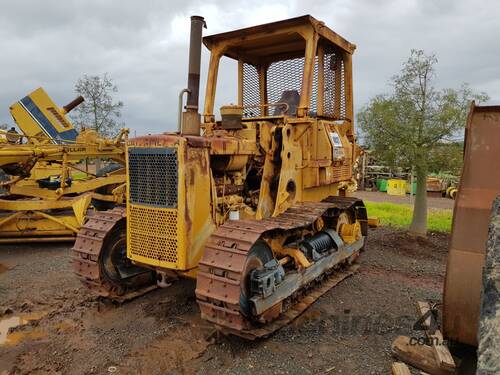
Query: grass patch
{"points": [[399, 215]]}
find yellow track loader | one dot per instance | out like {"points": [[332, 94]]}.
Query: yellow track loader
{"points": [[253, 205]]}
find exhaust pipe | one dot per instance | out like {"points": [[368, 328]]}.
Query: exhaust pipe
{"points": [[74, 103], [191, 118]]}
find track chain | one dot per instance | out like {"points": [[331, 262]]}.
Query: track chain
{"points": [[86, 256], [220, 269]]}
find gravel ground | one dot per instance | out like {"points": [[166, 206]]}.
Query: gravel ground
{"points": [[347, 331]]}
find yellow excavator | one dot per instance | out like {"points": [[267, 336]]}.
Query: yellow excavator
{"points": [[252, 205], [48, 184]]}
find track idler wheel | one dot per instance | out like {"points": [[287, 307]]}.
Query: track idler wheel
{"points": [[116, 268], [100, 258], [259, 254]]}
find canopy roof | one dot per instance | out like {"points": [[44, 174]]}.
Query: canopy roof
{"points": [[272, 40]]}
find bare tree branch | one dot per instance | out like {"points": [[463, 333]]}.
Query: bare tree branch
{"points": [[99, 111]]}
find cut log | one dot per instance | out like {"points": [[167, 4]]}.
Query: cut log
{"points": [[441, 352], [373, 222], [417, 355], [399, 368]]}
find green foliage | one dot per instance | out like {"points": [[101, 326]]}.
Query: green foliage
{"points": [[404, 127], [99, 111], [448, 179], [446, 159], [400, 215]]}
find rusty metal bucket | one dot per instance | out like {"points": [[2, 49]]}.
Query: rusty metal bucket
{"points": [[479, 185]]}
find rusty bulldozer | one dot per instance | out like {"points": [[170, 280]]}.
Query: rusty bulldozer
{"points": [[254, 208]]}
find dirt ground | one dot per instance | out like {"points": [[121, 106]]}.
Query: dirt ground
{"points": [[347, 331], [377, 196]]}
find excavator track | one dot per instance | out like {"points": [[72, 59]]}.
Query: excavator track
{"points": [[220, 274], [88, 258]]}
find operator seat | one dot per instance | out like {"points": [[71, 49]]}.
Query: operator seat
{"points": [[290, 97]]}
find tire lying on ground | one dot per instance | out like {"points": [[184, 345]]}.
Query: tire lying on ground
{"points": [[104, 205]]}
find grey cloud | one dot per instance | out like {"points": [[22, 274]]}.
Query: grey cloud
{"points": [[143, 46]]}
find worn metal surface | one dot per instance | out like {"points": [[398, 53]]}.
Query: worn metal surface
{"points": [[220, 276], [45, 172], [297, 280], [272, 172], [170, 236], [190, 124], [87, 259], [479, 185], [73, 104], [323, 60]]}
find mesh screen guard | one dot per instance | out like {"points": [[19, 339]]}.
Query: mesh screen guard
{"points": [[153, 176], [284, 83]]}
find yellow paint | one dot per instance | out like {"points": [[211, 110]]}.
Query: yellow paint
{"points": [[80, 208], [350, 233], [316, 154], [56, 116], [28, 223], [297, 255], [396, 187], [373, 222], [174, 238], [39, 156]]}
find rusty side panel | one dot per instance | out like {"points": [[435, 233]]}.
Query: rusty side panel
{"points": [[159, 140], [479, 185], [199, 224]]}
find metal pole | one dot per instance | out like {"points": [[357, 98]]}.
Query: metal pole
{"points": [[197, 24], [179, 117], [190, 121]]}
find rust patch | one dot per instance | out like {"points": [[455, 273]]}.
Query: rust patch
{"points": [[86, 257], [221, 269], [191, 178], [3, 268], [189, 224], [197, 141], [154, 140], [221, 144], [479, 186], [204, 164]]}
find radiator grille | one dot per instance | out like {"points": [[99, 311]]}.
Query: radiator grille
{"points": [[153, 233], [153, 176]]}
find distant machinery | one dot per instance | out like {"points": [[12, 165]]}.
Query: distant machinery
{"points": [[48, 183]]}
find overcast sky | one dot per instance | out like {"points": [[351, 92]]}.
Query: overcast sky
{"points": [[143, 45]]}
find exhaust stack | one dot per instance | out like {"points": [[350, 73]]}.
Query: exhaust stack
{"points": [[191, 117], [74, 103]]}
